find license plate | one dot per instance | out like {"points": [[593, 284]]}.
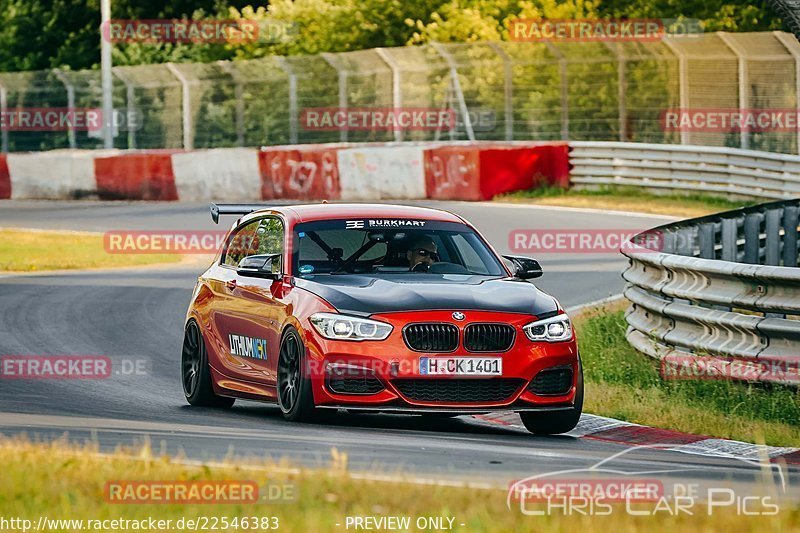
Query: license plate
{"points": [[461, 366]]}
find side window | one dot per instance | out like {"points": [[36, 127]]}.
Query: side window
{"points": [[262, 236]]}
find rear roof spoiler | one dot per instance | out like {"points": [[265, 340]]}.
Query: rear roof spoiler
{"points": [[233, 209]]}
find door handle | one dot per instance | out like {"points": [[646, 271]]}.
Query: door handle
{"points": [[231, 284]]}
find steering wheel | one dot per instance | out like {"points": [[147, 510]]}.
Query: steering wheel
{"points": [[422, 266]]}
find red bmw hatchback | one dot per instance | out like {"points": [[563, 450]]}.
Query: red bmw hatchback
{"points": [[377, 308]]}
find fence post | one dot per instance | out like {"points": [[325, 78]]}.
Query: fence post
{"points": [[397, 95], [462, 104], [238, 94], [508, 90], [790, 221], [618, 52], [292, 97], [70, 105], [3, 110], [683, 81], [743, 86], [792, 46], [186, 109], [562, 72], [341, 74], [130, 105]]}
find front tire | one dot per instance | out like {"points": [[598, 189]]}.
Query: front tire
{"points": [[195, 373], [555, 422], [295, 397]]}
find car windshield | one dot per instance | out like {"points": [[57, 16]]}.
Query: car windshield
{"points": [[391, 246]]}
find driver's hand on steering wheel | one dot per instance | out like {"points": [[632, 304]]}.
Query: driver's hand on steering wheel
{"points": [[422, 266]]}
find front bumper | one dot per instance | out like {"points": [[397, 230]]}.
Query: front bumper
{"points": [[402, 388]]}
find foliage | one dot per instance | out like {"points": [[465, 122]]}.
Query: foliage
{"points": [[39, 34]]}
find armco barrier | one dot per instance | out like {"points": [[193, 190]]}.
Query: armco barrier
{"points": [[698, 169], [726, 286], [299, 173], [136, 176]]}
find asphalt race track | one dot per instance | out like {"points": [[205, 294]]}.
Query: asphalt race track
{"points": [[137, 315]]}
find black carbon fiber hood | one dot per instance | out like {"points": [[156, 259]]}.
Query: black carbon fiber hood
{"points": [[367, 295]]}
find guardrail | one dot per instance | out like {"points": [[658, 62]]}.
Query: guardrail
{"points": [[725, 286], [699, 169]]}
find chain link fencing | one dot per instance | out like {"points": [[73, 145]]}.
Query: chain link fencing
{"points": [[614, 91]]}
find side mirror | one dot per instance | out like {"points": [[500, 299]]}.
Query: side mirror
{"points": [[265, 266], [525, 267]]}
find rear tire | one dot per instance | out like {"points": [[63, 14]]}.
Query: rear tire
{"points": [[555, 422], [195, 373], [295, 397]]}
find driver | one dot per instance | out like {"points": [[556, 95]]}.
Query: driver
{"points": [[422, 251]]}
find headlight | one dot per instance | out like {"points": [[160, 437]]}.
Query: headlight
{"points": [[349, 328], [553, 329]]}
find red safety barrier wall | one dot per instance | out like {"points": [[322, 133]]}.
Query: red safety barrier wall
{"points": [[309, 173], [553, 166], [136, 176], [5, 178], [480, 172]]}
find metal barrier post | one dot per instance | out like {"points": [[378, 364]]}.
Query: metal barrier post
{"points": [[743, 86], [3, 110], [70, 105], [773, 244], [618, 52], [462, 104], [238, 94], [292, 97], [563, 82], [130, 105], [508, 90], [341, 74], [790, 222], [683, 81], [752, 237], [188, 133], [793, 47], [397, 94]]}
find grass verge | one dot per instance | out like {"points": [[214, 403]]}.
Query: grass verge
{"points": [[30, 251], [62, 483], [622, 383], [621, 198]]}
